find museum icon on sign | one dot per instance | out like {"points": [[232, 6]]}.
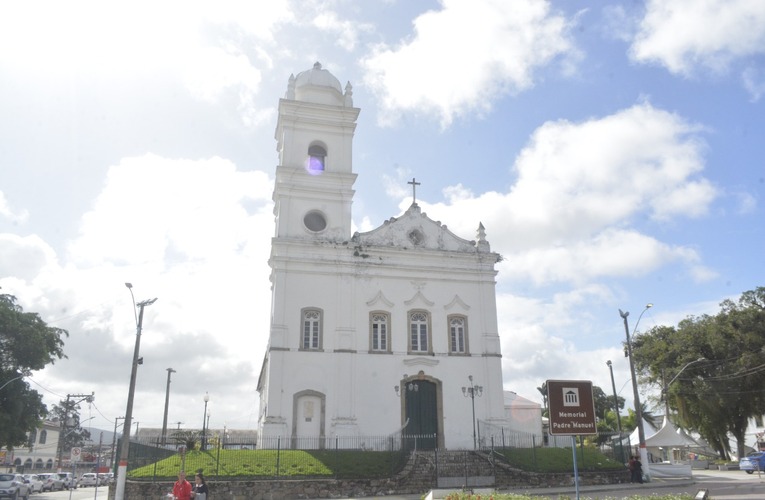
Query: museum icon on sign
{"points": [[570, 396]]}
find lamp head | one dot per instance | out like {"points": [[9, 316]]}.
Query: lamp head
{"points": [[207, 397], [608, 363], [648, 306], [624, 314], [129, 285]]}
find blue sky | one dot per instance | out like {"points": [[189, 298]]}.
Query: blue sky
{"points": [[613, 151]]}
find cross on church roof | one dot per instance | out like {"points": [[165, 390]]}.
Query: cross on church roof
{"points": [[414, 185]]}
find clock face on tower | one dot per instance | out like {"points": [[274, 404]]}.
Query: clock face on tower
{"points": [[315, 221]]}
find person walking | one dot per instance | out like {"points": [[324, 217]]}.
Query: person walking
{"points": [[199, 491], [182, 488]]}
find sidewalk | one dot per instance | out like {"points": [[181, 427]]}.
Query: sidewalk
{"points": [[555, 492]]}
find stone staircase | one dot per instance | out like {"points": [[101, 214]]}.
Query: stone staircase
{"points": [[449, 469]]}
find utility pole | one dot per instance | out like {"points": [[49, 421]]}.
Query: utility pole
{"points": [[114, 442], [63, 432], [167, 403]]}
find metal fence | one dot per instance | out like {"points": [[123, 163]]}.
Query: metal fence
{"points": [[613, 445], [277, 457]]}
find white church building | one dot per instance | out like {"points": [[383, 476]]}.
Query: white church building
{"points": [[377, 333]]}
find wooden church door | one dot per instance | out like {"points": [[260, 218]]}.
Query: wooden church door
{"points": [[422, 413]]}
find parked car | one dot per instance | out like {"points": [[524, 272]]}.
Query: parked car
{"points": [[752, 462], [89, 479], [13, 486], [51, 482], [106, 477], [68, 478], [35, 484]]}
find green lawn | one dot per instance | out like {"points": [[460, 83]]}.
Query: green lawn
{"points": [[349, 463], [263, 463]]}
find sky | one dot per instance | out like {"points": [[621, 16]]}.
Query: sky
{"points": [[612, 150]]}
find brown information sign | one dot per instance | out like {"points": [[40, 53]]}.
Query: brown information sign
{"points": [[572, 407]]}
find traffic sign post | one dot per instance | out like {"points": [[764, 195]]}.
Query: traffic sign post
{"points": [[572, 413], [572, 408]]}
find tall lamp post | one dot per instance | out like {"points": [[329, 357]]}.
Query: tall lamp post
{"points": [[665, 389], [635, 394], [167, 403], [24, 373], [471, 392], [125, 444], [204, 420], [616, 409]]}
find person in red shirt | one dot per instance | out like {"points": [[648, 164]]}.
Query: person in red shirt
{"points": [[182, 488]]}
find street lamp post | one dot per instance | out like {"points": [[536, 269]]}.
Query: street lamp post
{"points": [[204, 420], [635, 394], [125, 444], [167, 402], [24, 373], [616, 409], [471, 392], [665, 389]]}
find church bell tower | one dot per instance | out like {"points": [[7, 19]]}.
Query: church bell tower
{"points": [[314, 179]]}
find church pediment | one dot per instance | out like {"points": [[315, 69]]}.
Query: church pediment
{"points": [[380, 298], [414, 230]]}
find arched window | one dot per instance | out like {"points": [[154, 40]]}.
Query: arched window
{"points": [[419, 331], [458, 335], [379, 340], [316, 158], [43, 436], [311, 338], [32, 438]]}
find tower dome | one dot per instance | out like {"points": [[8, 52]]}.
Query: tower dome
{"points": [[316, 85]]}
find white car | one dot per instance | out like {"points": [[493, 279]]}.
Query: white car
{"points": [[89, 479], [69, 480], [13, 486], [35, 483], [106, 477], [51, 481]]}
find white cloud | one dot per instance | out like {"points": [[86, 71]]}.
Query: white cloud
{"points": [[465, 56], [193, 233], [345, 31], [754, 83], [193, 42], [152, 206], [578, 185], [15, 216], [682, 35], [24, 257]]}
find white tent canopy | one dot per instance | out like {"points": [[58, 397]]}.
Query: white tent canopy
{"points": [[658, 442]]}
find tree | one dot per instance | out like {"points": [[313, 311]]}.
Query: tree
{"points": [[27, 344], [711, 369], [604, 403], [543, 391]]}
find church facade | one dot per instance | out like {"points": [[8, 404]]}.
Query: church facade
{"points": [[388, 331]]}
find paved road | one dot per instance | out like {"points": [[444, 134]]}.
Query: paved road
{"points": [[78, 494]]}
